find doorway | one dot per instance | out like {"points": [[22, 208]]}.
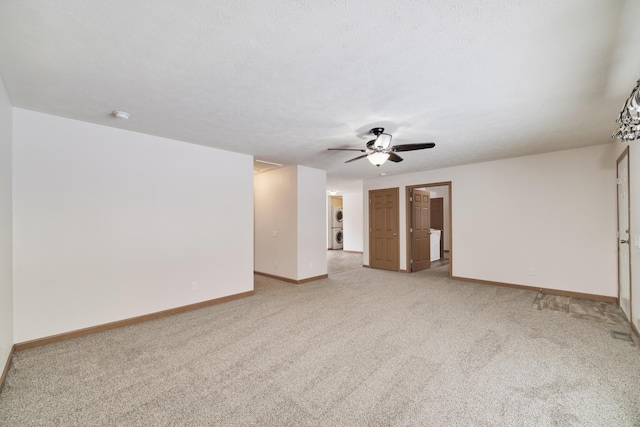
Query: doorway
{"points": [[384, 247], [441, 251], [335, 234], [624, 246]]}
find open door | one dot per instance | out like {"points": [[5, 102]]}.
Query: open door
{"points": [[624, 247], [384, 244], [420, 230]]}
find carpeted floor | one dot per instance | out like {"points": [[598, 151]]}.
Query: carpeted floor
{"points": [[361, 348], [339, 261], [580, 308]]}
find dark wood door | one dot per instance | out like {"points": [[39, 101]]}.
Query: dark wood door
{"points": [[437, 220], [384, 244], [420, 230]]}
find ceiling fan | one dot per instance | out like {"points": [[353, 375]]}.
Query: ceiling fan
{"points": [[379, 150]]}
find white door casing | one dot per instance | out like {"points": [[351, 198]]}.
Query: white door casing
{"points": [[624, 245]]}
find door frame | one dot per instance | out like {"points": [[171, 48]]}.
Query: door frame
{"points": [[622, 156], [408, 189]]}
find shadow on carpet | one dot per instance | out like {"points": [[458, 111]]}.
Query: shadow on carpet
{"points": [[581, 308]]}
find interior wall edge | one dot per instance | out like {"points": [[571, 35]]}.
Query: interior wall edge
{"points": [[293, 281], [7, 366], [6, 230], [593, 297], [39, 342]]}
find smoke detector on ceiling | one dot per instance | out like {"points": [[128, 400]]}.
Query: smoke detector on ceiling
{"points": [[121, 114]]}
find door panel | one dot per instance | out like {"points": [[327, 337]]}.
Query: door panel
{"points": [[383, 229], [624, 267], [420, 230], [437, 219]]}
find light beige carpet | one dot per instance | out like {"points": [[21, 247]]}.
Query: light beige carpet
{"points": [[580, 308], [361, 348], [339, 261]]}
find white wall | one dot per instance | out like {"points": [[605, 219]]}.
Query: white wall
{"points": [[6, 271], [634, 223], [312, 205], [276, 211], [353, 225], [554, 212], [111, 224], [291, 201]]}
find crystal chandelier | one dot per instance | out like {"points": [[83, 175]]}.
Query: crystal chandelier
{"points": [[629, 119]]}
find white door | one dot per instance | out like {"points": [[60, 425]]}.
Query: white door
{"points": [[624, 267]]}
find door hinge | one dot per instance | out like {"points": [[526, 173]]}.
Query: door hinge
{"points": [[411, 261], [618, 181], [411, 230], [369, 201], [411, 199]]}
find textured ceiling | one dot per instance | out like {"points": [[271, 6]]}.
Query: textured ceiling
{"points": [[285, 80]]}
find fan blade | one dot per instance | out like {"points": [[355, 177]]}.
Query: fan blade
{"points": [[393, 157], [346, 149], [412, 147], [357, 158]]}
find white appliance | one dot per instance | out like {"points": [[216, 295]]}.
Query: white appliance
{"points": [[336, 216], [435, 244], [336, 241]]}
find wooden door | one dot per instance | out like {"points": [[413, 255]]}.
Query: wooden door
{"points": [[384, 244], [437, 220], [420, 230]]}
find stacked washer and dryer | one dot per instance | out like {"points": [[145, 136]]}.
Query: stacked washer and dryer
{"points": [[336, 227]]}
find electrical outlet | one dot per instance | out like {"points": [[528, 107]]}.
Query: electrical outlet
{"points": [[275, 264], [532, 271], [194, 286], [275, 233]]}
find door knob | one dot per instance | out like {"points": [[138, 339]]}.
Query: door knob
{"points": [[624, 241], [395, 234]]}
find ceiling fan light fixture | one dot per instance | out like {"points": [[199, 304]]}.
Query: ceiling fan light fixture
{"points": [[377, 158], [379, 150], [383, 141]]}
